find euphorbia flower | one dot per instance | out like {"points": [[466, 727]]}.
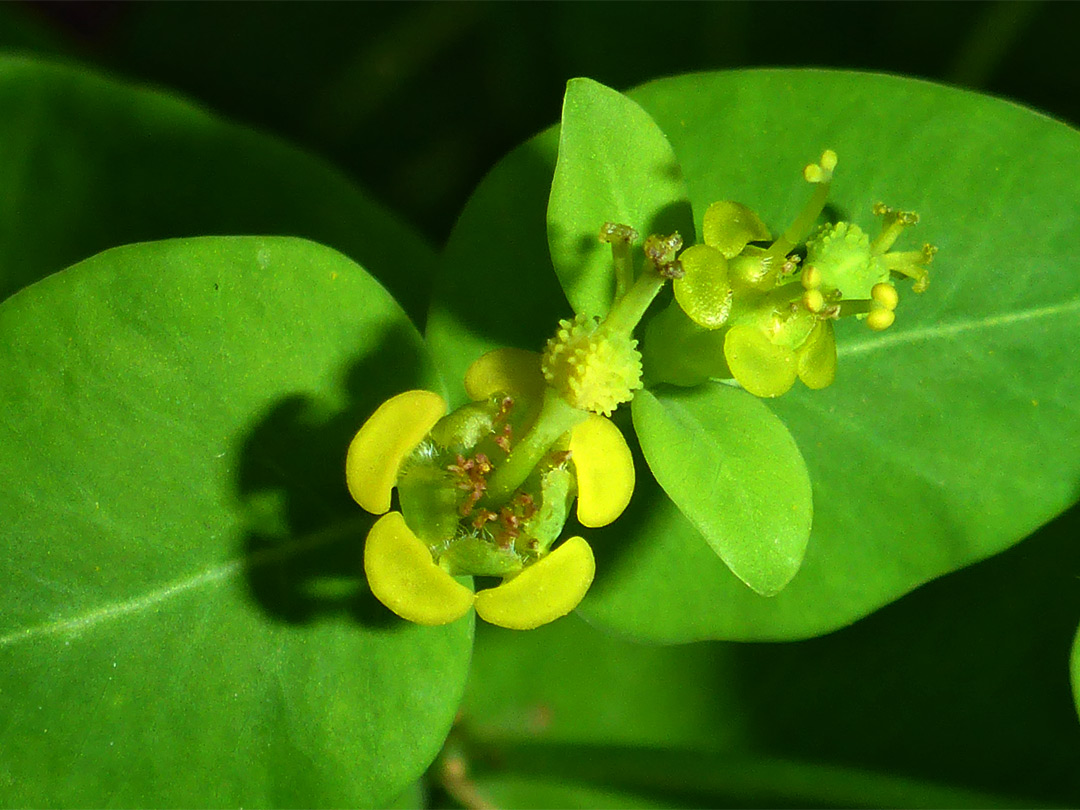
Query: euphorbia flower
{"points": [[486, 490], [752, 313], [443, 467]]}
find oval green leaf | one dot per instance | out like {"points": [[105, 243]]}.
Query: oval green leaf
{"points": [[615, 165], [944, 440], [842, 720], [184, 620], [90, 163], [735, 472]]}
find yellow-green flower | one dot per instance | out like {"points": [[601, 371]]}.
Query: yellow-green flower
{"points": [[773, 312], [478, 498]]}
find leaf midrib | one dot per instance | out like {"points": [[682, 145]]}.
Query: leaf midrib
{"points": [[212, 575], [878, 342]]}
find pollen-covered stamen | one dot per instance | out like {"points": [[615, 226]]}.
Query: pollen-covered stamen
{"points": [[661, 250], [503, 440], [470, 474], [892, 225], [482, 517], [672, 270], [615, 233]]}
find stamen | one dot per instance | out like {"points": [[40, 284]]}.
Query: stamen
{"points": [[620, 237], [819, 174], [892, 226], [880, 319], [886, 295], [909, 264], [814, 301]]}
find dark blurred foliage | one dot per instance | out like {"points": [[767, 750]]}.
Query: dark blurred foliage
{"points": [[417, 100]]}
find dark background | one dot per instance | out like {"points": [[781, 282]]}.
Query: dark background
{"points": [[417, 100]]}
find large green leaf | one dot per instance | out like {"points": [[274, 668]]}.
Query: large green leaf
{"points": [[965, 676], [559, 793], [556, 685], [91, 163], [614, 165], [944, 440], [184, 619], [734, 471]]}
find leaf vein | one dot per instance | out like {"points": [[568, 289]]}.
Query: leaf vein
{"points": [[944, 330], [211, 576]]}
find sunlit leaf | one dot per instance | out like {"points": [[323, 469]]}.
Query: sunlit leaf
{"points": [[615, 165], [734, 471]]}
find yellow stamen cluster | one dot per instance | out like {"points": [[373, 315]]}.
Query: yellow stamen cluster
{"points": [[592, 368]]}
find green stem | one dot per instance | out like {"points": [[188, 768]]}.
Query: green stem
{"points": [[785, 294], [556, 417], [800, 228], [624, 267], [629, 310]]}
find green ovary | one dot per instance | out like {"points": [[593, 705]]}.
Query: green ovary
{"points": [[842, 254]]}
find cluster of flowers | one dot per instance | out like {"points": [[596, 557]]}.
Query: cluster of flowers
{"points": [[487, 489]]}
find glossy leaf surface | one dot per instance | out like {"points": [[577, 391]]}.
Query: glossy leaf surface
{"points": [[90, 163], [943, 440], [184, 620], [800, 723], [615, 165], [734, 471]]}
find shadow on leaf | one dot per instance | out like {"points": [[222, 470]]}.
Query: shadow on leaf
{"points": [[305, 534]]}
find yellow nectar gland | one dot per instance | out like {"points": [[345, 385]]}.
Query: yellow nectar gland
{"points": [[591, 368]]}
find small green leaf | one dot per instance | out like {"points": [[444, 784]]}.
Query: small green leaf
{"points": [[734, 470], [615, 165], [90, 163], [184, 620]]}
